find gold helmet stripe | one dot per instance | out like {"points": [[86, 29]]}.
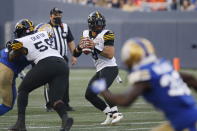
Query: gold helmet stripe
{"points": [[98, 15], [31, 24]]}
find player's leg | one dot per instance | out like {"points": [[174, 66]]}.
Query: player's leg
{"points": [[66, 96], [97, 101], [36, 77], [7, 89], [56, 94], [110, 74], [92, 97], [46, 96]]}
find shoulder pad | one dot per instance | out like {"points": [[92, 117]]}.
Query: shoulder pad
{"points": [[15, 45], [140, 75]]}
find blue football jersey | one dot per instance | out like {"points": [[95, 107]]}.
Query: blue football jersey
{"points": [[17, 66], [168, 92]]}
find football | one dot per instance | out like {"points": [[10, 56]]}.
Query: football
{"points": [[86, 50]]}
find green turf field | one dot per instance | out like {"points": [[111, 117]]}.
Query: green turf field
{"points": [[139, 117]]}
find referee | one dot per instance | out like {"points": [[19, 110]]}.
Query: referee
{"points": [[63, 40]]}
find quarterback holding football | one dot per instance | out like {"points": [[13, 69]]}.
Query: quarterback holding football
{"points": [[99, 42]]}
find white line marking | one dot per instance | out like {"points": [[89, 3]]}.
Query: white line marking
{"points": [[40, 115], [95, 125], [54, 127], [137, 129]]}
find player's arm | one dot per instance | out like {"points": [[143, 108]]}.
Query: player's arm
{"points": [[127, 98], [139, 82], [189, 79], [108, 50], [17, 50], [78, 50]]}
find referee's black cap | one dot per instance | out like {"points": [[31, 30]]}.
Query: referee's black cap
{"points": [[55, 11]]}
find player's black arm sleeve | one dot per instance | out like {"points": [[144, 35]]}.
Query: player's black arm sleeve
{"points": [[77, 51], [190, 80]]}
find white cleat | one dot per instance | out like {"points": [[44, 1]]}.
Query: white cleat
{"points": [[116, 117], [108, 119]]}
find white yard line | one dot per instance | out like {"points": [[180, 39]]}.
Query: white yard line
{"points": [[94, 125], [56, 127], [137, 129], [40, 115]]}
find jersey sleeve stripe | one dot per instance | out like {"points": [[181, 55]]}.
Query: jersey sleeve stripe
{"points": [[111, 38], [109, 35]]}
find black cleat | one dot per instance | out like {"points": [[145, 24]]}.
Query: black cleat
{"points": [[19, 126], [66, 124], [69, 108]]}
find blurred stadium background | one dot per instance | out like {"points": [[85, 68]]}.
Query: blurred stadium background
{"points": [[170, 24]]}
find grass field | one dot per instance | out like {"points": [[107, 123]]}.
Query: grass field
{"points": [[138, 117]]}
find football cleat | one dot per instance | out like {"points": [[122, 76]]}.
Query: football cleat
{"points": [[108, 120], [66, 123], [69, 108], [116, 117], [19, 126]]}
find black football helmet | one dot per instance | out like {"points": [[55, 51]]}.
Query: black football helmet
{"points": [[96, 22], [23, 27]]}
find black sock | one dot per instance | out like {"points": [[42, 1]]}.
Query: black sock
{"points": [[59, 108]]}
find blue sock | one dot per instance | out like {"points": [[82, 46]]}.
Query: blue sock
{"points": [[4, 109]]}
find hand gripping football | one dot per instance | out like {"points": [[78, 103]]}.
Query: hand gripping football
{"points": [[86, 50]]}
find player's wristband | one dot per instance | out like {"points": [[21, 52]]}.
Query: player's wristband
{"points": [[76, 53], [98, 86], [79, 48]]}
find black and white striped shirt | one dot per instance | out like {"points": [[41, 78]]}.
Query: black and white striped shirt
{"points": [[62, 37]]}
